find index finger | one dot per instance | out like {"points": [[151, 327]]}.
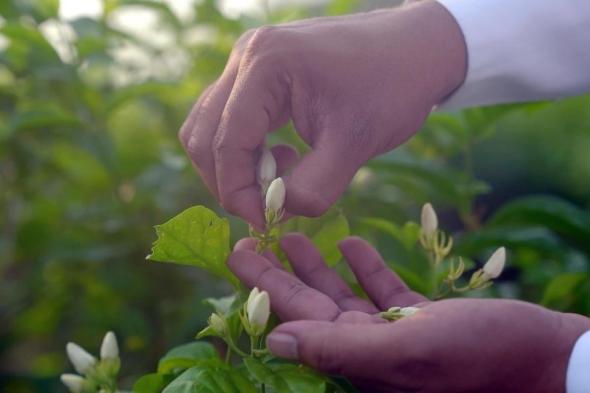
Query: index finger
{"points": [[255, 106], [290, 298]]}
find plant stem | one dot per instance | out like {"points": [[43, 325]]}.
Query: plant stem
{"points": [[228, 355], [433, 274], [252, 345], [235, 348], [259, 346]]}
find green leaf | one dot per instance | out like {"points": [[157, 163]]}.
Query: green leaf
{"points": [[342, 385], [223, 305], [325, 232], [562, 290], [562, 217], [534, 238], [342, 7], [424, 181], [211, 378], [412, 279], [187, 356], [407, 235], [286, 377], [196, 237], [152, 383], [229, 307]]}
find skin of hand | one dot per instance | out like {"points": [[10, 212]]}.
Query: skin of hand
{"points": [[354, 86], [454, 346]]}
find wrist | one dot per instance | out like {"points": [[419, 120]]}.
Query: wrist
{"points": [[435, 47]]}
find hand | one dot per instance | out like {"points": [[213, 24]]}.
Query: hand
{"points": [[454, 346], [354, 86]]}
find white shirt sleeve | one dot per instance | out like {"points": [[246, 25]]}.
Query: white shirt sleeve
{"points": [[578, 370], [522, 50]]}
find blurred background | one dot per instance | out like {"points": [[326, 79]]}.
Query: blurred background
{"points": [[92, 93]]}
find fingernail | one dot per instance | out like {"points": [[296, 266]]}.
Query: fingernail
{"points": [[282, 345]]}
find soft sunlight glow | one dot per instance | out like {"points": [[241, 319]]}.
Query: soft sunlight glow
{"points": [[72, 9]]}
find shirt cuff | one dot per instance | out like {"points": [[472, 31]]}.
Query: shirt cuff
{"points": [[521, 50], [578, 370]]}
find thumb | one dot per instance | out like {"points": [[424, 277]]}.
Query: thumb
{"points": [[319, 179], [333, 348]]}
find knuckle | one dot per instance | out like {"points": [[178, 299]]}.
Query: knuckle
{"points": [[197, 150], [294, 291], [242, 42], [266, 46], [264, 35]]}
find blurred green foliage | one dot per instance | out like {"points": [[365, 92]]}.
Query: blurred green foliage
{"points": [[89, 162]]}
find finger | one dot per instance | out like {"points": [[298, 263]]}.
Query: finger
{"points": [[319, 179], [309, 266], [359, 317], [187, 127], [201, 125], [247, 243], [257, 105], [250, 243], [268, 254], [199, 129], [285, 156], [290, 298], [383, 286], [334, 348]]}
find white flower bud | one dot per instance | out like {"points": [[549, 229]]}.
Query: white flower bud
{"points": [[258, 310], [81, 360], [218, 324], [253, 293], [109, 348], [429, 220], [267, 169], [408, 311], [73, 382], [275, 196], [494, 266]]}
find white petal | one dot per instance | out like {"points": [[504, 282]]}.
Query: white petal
{"points": [[494, 266], [275, 196], [253, 293], [408, 311], [259, 311], [267, 168], [81, 360], [109, 348], [429, 220], [73, 382]]}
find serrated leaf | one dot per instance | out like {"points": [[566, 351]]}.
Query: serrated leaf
{"points": [[196, 237], [187, 356], [211, 378], [286, 377]]}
